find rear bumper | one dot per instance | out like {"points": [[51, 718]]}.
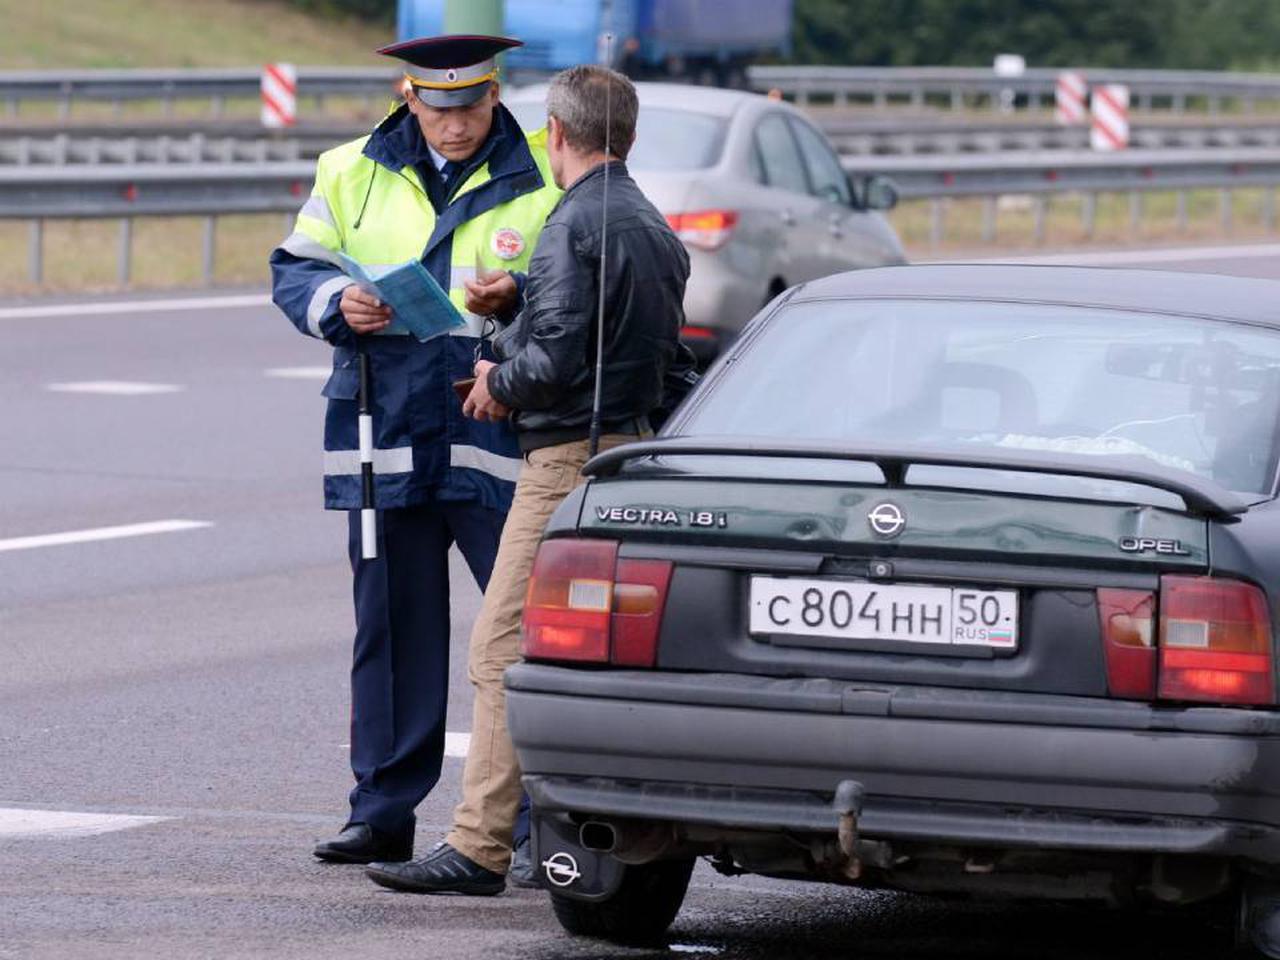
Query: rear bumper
{"points": [[945, 766]]}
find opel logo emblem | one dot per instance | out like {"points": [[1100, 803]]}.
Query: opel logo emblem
{"points": [[561, 869], [886, 520]]}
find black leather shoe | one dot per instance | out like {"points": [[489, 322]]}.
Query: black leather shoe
{"points": [[522, 872], [443, 870], [360, 843]]}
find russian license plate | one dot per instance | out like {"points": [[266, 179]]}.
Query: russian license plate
{"points": [[873, 611]]}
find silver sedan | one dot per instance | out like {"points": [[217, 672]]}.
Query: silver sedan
{"points": [[756, 193]]}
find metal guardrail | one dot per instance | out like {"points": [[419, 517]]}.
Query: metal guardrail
{"points": [[1040, 175], [871, 136], [960, 87], [169, 86], [957, 87], [127, 191], [852, 136], [126, 148]]}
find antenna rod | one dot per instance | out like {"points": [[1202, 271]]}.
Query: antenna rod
{"points": [[597, 400]]}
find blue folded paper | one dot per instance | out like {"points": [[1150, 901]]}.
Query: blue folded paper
{"points": [[419, 305]]}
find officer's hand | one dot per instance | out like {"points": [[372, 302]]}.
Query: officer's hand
{"points": [[363, 312], [480, 404], [494, 294]]}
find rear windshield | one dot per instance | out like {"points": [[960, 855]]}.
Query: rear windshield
{"points": [[1195, 395], [665, 139]]}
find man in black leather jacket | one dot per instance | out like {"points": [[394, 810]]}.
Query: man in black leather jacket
{"points": [[546, 381]]}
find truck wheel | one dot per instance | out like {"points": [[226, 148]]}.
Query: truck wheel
{"points": [[641, 910]]}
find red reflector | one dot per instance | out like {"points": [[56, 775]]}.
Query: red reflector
{"points": [[1128, 627], [1215, 642], [640, 596], [704, 229], [568, 604]]}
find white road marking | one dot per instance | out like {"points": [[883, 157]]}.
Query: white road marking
{"points": [[300, 373], [101, 533], [114, 388], [108, 307], [455, 744], [62, 824], [1097, 258]]}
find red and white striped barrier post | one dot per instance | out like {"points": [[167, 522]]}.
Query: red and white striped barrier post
{"points": [[1110, 109], [1069, 97], [279, 95]]}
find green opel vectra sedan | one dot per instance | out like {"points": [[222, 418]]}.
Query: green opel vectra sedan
{"points": [[946, 579]]}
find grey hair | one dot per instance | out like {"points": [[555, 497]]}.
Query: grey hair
{"points": [[577, 98]]}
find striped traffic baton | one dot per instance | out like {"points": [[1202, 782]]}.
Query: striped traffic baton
{"points": [[368, 518]]}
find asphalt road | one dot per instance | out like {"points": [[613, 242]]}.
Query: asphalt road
{"points": [[198, 677]]}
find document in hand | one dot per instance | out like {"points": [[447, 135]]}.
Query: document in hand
{"points": [[418, 304]]}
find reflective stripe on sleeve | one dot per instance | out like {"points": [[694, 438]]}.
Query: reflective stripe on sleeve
{"points": [[347, 462], [320, 302], [300, 245], [475, 458], [317, 208]]}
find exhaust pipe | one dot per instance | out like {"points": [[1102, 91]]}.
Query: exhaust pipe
{"points": [[630, 841], [598, 836]]}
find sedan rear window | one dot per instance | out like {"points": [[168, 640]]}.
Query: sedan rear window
{"points": [[1196, 395], [665, 139]]}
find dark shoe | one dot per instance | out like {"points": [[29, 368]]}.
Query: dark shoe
{"points": [[522, 873], [360, 843], [443, 870]]}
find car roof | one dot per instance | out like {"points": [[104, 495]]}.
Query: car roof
{"points": [[676, 96], [1243, 299]]}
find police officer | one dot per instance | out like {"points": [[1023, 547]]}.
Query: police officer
{"points": [[449, 178]]}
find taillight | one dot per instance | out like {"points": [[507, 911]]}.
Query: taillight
{"points": [[1215, 642], [704, 229], [585, 605], [1128, 633]]}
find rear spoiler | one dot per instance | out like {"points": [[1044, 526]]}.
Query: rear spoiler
{"points": [[1201, 496]]}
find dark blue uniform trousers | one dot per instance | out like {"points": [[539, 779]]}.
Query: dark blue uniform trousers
{"points": [[400, 671]]}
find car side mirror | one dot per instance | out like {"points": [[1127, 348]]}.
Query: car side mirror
{"points": [[876, 192]]}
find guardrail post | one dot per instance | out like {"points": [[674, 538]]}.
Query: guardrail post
{"points": [[1135, 211], [989, 213], [1182, 211], [1089, 214], [1269, 209], [1041, 211], [210, 248], [936, 222], [217, 106], [124, 261], [1225, 200], [35, 252], [957, 99]]}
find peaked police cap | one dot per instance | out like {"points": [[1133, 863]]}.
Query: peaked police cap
{"points": [[450, 71]]}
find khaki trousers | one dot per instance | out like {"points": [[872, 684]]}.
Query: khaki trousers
{"points": [[484, 821]]}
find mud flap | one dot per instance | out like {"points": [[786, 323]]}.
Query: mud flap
{"points": [[564, 867]]}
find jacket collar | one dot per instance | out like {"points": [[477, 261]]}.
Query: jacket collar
{"points": [[397, 142]]}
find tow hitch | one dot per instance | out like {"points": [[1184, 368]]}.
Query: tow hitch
{"points": [[848, 805]]}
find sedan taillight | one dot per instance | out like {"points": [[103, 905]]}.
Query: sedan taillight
{"points": [[586, 605], [1214, 642], [704, 229]]}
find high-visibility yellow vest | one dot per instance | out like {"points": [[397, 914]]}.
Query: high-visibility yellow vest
{"points": [[353, 192]]}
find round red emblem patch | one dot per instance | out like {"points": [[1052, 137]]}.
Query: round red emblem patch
{"points": [[507, 243]]}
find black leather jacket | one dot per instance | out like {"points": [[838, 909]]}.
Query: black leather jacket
{"points": [[548, 353]]}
